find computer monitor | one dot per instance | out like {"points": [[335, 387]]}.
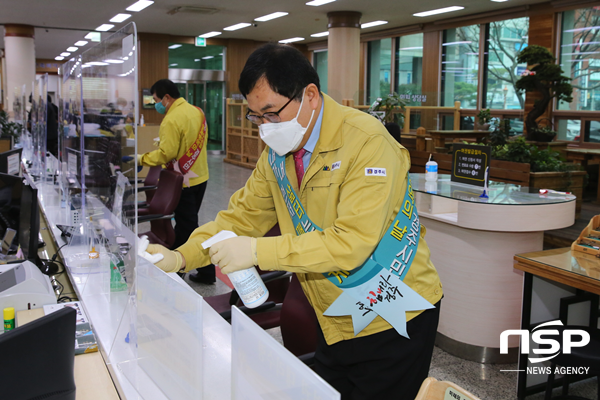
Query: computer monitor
{"points": [[10, 162], [29, 221], [38, 358], [19, 211]]}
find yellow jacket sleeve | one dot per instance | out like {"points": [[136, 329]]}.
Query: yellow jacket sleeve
{"points": [[170, 139], [251, 212]]}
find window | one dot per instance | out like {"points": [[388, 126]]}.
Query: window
{"points": [[192, 57], [409, 68], [505, 40], [379, 69], [320, 64], [580, 57], [460, 65]]}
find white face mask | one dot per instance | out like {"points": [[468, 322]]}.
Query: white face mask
{"points": [[283, 137]]}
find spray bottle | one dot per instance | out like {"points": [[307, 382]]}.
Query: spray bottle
{"points": [[247, 283]]}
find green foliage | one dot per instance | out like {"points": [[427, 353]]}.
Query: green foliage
{"points": [[499, 135], [9, 129], [388, 104], [465, 92], [541, 160], [484, 116]]}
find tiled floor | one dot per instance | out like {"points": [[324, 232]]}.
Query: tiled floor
{"points": [[486, 381]]}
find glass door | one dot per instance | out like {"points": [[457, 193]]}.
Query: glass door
{"points": [[209, 97]]}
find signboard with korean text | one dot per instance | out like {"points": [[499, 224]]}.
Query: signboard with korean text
{"points": [[469, 163]]}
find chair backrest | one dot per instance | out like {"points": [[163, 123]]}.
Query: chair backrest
{"points": [[432, 389], [152, 180], [164, 202], [168, 192], [298, 321]]}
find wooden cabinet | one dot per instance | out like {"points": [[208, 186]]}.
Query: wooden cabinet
{"points": [[244, 145]]}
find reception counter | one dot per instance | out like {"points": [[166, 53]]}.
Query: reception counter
{"points": [[473, 241]]}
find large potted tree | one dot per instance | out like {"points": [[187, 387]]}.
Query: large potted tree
{"points": [[544, 79]]}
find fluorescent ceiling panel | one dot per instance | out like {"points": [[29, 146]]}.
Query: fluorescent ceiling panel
{"points": [[269, 17], [438, 11], [140, 5]]}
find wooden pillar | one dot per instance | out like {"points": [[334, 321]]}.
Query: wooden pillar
{"points": [[430, 84], [343, 58]]}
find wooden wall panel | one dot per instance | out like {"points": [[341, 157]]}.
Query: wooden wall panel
{"points": [[431, 73], [238, 51], [153, 63]]}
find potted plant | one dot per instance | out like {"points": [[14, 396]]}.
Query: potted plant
{"points": [[544, 78], [383, 108], [483, 120], [9, 129]]}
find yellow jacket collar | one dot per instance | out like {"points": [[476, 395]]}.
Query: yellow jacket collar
{"points": [[176, 104], [333, 116]]}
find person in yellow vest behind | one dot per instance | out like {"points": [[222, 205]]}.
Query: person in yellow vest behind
{"points": [[337, 184], [183, 135]]}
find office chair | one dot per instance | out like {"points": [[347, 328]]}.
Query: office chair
{"points": [[588, 356], [298, 323], [432, 389], [160, 210], [150, 184]]}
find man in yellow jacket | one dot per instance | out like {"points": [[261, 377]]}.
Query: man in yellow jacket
{"points": [[183, 135], [349, 176]]}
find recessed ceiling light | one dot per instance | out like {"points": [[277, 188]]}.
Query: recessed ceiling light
{"points": [[174, 46], [210, 34], [208, 57], [499, 1], [319, 2], [119, 18], [438, 11], [97, 63], [196, 59], [290, 40], [72, 48], [140, 5], [173, 65], [112, 61], [65, 54], [237, 26], [320, 34], [93, 36], [269, 17], [81, 43], [374, 23], [104, 27], [59, 58]]}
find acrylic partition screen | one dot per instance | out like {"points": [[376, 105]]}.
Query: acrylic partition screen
{"points": [[263, 369], [109, 101]]}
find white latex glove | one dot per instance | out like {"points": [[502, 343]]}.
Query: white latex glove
{"points": [[143, 243], [234, 254]]}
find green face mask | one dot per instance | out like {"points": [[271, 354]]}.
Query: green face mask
{"points": [[160, 108]]}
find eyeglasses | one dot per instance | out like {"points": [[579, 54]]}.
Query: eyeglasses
{"points": [[272, 117]]}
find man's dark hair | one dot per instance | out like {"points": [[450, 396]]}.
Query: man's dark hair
{"points": [[284, 67], [165, 86]]}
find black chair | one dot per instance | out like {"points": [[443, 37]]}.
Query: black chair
{"points": [[588, 356]]}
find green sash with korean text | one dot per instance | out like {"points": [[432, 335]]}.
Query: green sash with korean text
{"points": [[376, 287]]}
